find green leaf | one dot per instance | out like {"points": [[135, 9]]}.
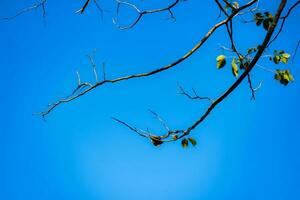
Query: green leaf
{"points": [[251, 50], [285, 58], [276, 59], [184, 143], [268, 15], [284, 76], [266, 24], [192, 141], [221, 61], [234, 68], [281, 56], [227, 7], [265, 19], [258, 18], [268, 20]]}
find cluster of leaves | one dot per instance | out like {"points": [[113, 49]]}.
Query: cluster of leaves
{"points": [[283, 76], [185, 142], [266, 19], [280, 56], [242, 62]]}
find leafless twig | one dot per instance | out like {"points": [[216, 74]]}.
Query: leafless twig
{"points": [[183, 132], [40, 4], [284, 18], [142, 13], [194, 96], [150, 73], [85, 5]]}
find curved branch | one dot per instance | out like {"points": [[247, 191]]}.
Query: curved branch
{"points": [[182, 133], [247, 70], [41, 4], [85, 5], [142, 13], [155, 71], [283, 21]]}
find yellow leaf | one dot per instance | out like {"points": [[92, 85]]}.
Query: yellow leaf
{"points": [[234, 67], [221, 61]]}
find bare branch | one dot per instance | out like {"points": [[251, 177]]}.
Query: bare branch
{"points": [[251, 87], [283, 21], [40, 4], [247, 70], [182, 133], [142, 13], [160, 120], [296, 51], [155, 71], [194, 96]]}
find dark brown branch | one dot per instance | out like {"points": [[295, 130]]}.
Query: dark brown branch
{"points": [[240, 56], [155, 71], [134, 129], [195, 96], [82, 9], [284, 18], [296, 51], [247, 70], [183, 133], [87, 2], [221, 8], [164, 124]]}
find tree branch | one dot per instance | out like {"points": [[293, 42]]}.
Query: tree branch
{"points": [[283, 21], [182, 133], [142, 13], [150, 73]]}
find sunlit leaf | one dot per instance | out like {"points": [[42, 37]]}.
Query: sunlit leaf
{"points": [[234, 68], [221, 61], [285, 58], [175, 137], [192, 141], [266, 24], [251, 50], [184, 143], [276, 59], [284, 76]]}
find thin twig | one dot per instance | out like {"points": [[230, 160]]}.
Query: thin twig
{"points": [[40, 4], [142, 13], [150, 73]]}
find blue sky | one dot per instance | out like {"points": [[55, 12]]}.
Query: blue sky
{"points": [[246, 149]]}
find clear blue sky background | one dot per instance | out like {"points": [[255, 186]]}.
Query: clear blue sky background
{"points": [[246, 149]]}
